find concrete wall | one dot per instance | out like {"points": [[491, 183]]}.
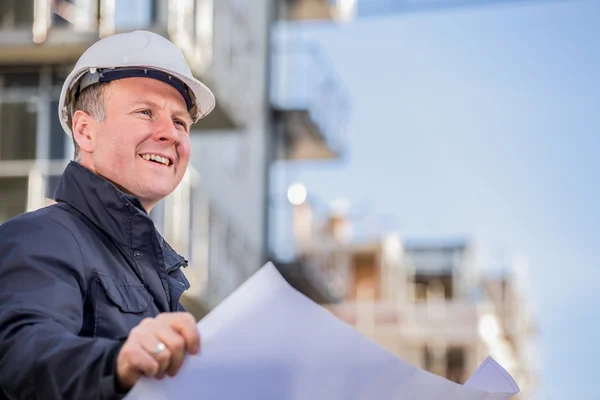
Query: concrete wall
{"points": [[233, 164]]}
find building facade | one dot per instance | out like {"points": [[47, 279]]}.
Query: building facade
{"points": [[425, 301], [219, 216], [278, 101]]}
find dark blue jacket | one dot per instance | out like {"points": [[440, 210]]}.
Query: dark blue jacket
{"points": [[75, 278]]}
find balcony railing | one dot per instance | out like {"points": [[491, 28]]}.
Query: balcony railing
{"points": [[368, 314], [62, 22], [217, 39], [32, 20], [182, 217], [457, 320], [304, 79], [27, 185]]}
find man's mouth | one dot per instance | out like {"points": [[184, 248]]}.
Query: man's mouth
{"points": [[157, 159]]}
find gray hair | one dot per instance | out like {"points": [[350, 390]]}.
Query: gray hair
{"points": [[91, 101]]}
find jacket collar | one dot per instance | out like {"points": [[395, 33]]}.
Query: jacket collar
{"points": [[119, 215]]}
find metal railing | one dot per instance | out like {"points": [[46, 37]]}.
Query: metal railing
{"points": [[304, 79], [182, 217], [453, 319], [41, 177], [368, 314], [39, 16], [185, 20], [217, 38]]}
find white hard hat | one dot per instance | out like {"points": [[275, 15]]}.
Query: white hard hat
{"points": [[134, 54]]}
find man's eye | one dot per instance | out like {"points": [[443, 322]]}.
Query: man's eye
{"points": [[146, 112], [181, 123]]}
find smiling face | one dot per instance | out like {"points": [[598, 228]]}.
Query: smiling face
{"points": [[142, 144]]}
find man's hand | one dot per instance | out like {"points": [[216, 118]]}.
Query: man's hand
{"points": [[157, 346]]}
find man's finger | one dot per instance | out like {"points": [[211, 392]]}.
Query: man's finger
{"points": [[154, 347], [133, 361], [145, 363], [185, 325], [176, 345]]}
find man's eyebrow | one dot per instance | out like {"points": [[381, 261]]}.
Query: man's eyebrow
{"points": [[184, 115], [148, 103]]}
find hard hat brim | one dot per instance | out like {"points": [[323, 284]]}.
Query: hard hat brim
{"points": [[205, 99]]}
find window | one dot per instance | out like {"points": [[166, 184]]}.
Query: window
{"points": [[13, 197], [59, 74], [16, 14], [18, 129], [449, 362], [434, 359], [13, 79], [366, 278], [433, 287], [455, 364]]}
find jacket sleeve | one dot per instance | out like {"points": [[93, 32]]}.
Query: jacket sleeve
{"points": [[41, 312]]}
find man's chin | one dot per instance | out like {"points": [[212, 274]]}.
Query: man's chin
{"points": [[153, 194]]}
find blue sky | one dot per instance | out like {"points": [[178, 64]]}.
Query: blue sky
{"points": [[483, 123]]}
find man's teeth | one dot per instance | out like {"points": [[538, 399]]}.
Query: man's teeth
{"points": [[154, 157]]}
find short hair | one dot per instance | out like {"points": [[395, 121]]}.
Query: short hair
{"points": [[91, 100]]}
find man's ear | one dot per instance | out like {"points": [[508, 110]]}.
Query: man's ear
{"points": [[84, 130]]}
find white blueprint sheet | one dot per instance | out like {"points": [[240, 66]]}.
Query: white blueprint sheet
{"points": [[267, 341]]}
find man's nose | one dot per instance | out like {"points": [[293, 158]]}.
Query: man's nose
{"points": [[165, 130]]}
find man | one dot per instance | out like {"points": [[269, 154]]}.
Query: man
{"points": [[89, 291]]}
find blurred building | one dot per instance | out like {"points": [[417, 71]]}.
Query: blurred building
{"points": [[218, 218], [424, 301], [278, 101]]}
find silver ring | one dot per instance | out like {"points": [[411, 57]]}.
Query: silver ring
{"points": [[160, 347]]}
